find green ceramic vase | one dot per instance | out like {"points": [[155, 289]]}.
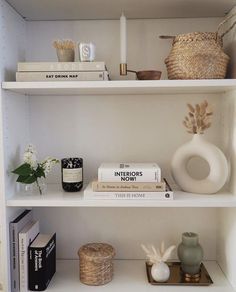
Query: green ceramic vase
{"points": [[190, 253]]}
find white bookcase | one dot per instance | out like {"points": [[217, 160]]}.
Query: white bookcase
{"points": [[119, 120]]}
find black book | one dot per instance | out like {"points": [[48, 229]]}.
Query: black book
{"points": [[42, 261]]}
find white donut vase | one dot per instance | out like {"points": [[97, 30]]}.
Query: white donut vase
{"points": [[199, 147]]}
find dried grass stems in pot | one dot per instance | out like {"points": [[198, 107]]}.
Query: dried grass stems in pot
{"points": [[64, 44], [198, 118]]}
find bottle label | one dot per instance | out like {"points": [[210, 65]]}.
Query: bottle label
{"points": [[73, 175]]}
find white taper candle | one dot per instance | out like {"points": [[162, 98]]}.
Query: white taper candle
{"points": [[123, 40]]}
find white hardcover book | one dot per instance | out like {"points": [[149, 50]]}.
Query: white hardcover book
{"points": [[129, 172], [60, 66], [89, 194], [26, 236], [61, 76], [15, 227]]}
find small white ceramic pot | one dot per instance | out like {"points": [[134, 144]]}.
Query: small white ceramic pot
{"points": [[199, 147], [160, 272]]}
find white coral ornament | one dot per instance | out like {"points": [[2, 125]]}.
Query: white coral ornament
{"points": [[160, 270]]}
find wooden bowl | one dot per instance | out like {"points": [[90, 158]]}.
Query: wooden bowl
{"points": [[148, 75]]}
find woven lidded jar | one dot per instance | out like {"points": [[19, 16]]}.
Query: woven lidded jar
{"points": [[96, 263]]}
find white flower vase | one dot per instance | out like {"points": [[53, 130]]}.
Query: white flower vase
{"points": [[199, 147], [160, 272]]}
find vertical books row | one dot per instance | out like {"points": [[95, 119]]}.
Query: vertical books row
{"points": [[32, 254], [142, 181]]}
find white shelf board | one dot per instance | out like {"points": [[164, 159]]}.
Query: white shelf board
{"points": [[129, 275], [135, 87], [56, 197], [107, 9]]}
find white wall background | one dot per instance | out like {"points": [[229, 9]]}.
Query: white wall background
{"points": [[118, 128], [145, 49], [127, 228], [114, 128]]}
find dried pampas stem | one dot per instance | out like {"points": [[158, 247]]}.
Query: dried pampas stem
{"points": [[199, 118], [158, 255], [64, 44]]}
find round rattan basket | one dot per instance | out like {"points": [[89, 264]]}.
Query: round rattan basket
{"points": [[198, 55], [96, 263]]}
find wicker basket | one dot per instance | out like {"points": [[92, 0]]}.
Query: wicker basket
{"points": [[96, 266], [198, 55]]}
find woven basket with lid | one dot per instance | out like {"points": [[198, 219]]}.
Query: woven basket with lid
{"points": [[96, 263], [198, 55]]}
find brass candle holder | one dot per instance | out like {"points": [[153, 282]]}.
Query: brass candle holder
{"points": [[191, 278], [123, 69]]}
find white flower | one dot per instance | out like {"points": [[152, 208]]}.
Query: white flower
{"points": [[30, 156], [48, 164], [31, 148]]}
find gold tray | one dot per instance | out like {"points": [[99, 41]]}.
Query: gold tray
{"points": [[177, 277]]}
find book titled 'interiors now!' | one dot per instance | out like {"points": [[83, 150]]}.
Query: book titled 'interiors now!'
{"points": [[129, 172]]}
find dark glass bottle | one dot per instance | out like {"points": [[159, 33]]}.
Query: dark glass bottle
{"points": [[72, 174]]}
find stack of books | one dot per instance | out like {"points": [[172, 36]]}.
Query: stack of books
{"points": [[129, 181], [61, 71], [33, 255]]}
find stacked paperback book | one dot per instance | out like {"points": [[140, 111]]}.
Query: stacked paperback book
{"points": [[61, 71], [129, 181], [33, 255]]}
